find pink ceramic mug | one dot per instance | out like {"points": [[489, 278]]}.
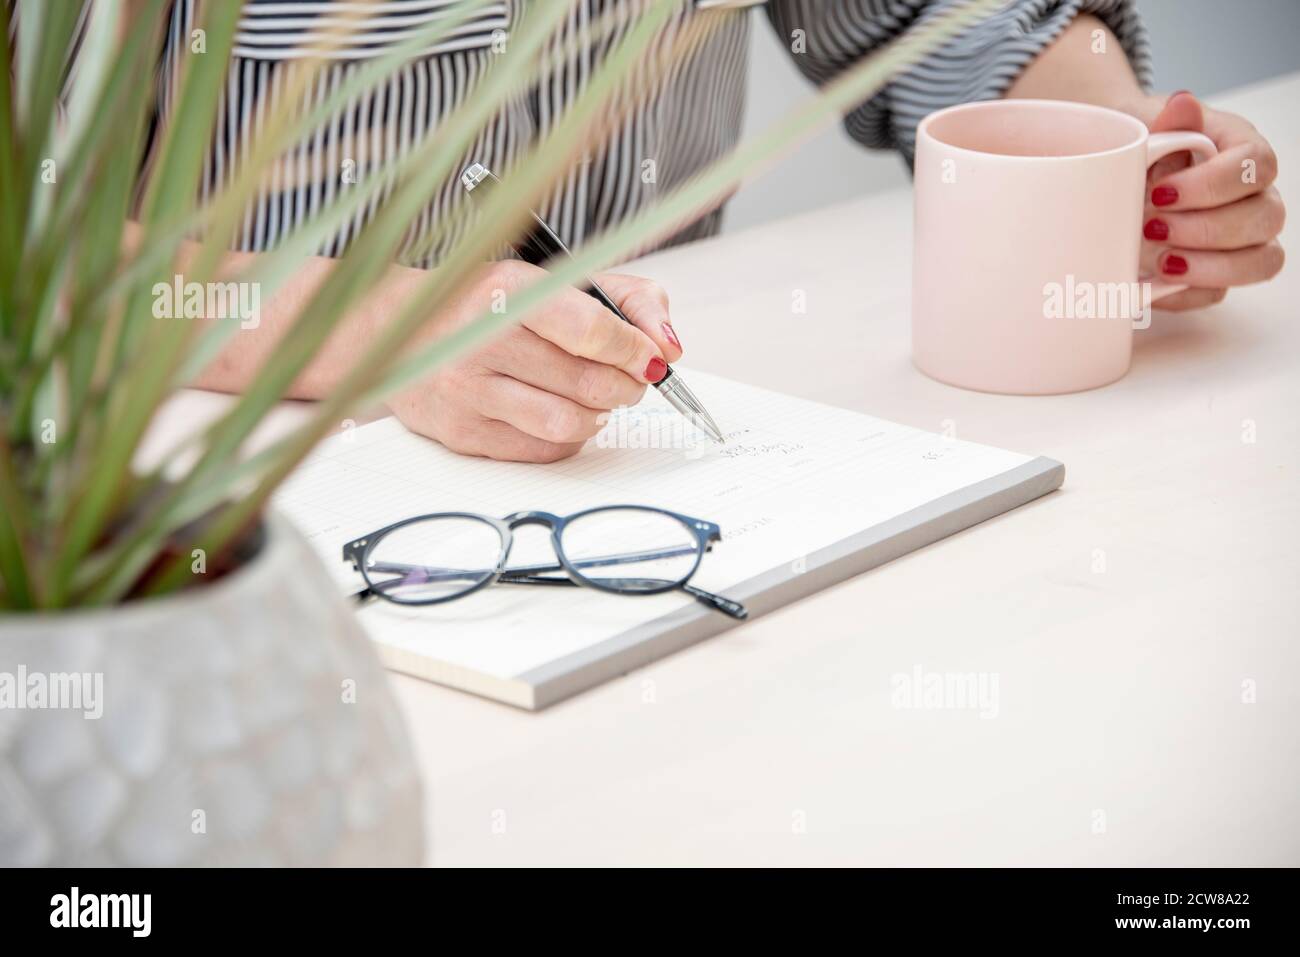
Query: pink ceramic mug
{"points": [[1028, 224]]}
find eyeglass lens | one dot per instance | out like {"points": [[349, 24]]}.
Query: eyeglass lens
{"points": [[629, 549], [435, 558]]}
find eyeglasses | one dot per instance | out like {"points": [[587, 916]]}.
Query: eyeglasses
{"points": [[625, 549]]}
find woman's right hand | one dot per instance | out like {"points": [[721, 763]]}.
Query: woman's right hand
{"points": [[537, 392]]}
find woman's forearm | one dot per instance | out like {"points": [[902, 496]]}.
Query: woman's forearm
{"points": [[1087, 64], [237, 365]]}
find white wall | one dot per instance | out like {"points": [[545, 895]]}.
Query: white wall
{"points": [[1200, 45]]}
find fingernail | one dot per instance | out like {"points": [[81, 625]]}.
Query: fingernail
{"points": [[1174, 265], [1164, 196], [1176, 92], [655, 370], [1156, 229], [670, 335]]}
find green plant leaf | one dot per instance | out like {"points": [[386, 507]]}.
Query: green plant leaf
{"points": [[365, 260], [133, 402], [498, 221], [78, 512]]}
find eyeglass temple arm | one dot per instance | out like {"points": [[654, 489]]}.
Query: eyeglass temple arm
{"points": [[430, 573], [623, 558], [732, 609], [528, 575], [440, 573]]}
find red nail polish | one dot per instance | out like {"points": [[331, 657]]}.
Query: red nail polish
{"points": [[655, 370], [1174, 265], [1164, 196], [1156, 229], [670, 335]]}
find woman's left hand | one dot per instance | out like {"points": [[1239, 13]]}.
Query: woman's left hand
{"points": [[1214, 224]]}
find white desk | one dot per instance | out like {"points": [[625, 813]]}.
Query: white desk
{"points": [[1120, 691]]}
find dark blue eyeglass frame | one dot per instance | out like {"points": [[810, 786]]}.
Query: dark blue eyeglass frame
{"points": [[705, 534]]}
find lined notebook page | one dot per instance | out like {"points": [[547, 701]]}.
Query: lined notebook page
{"points": [[795, 476]]}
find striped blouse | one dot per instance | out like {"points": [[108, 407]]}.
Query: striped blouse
{"points": [[691, 117]]}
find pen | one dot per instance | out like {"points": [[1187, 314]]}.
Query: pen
{"points": [[541, 245]]}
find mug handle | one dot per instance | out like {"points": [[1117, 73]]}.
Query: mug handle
{"points": [[1160, 145]]}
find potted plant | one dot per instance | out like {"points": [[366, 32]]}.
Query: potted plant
{"points": [[179, 682]]}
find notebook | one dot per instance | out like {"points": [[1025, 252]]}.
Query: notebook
{"points": [[806, 494]]}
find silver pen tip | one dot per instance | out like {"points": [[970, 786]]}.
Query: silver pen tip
{"points": [[681, 398], [705, 421]]}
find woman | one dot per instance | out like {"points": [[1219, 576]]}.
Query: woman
{"points": [[538, 392]]}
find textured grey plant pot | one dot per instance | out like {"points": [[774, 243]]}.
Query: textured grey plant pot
{"points": [[248, 722]]}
